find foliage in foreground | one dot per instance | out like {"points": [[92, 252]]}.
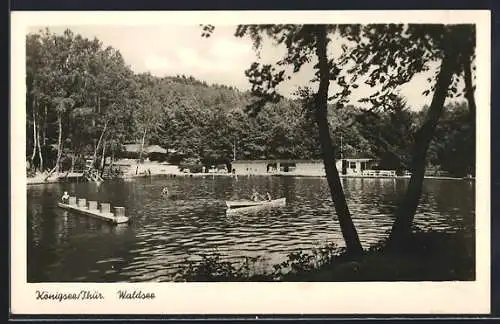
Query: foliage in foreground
{"points": [[428, 256]]}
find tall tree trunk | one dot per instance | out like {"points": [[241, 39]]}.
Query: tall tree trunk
{"points": [[73, 162], [142, 148], [469, 89], [33, 154], [112, 159], [142, 144], [74, 156], [59, 148], [405, 213], [347, 227], [40, 155], [59, 144], [103, 158], [99, 143], [98, 108], [44, 129], [469, 95]]}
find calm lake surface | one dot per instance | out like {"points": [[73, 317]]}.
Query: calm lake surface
{"points": [[164, 233]]}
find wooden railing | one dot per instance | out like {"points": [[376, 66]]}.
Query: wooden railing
{"points": [[379, 173]]}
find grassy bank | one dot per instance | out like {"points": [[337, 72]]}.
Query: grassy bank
{"points": [[428, 256]]}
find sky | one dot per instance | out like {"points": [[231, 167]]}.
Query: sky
{"points": [[223, 58]]}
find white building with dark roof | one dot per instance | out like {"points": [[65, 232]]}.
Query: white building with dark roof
{"points": [[349, 167]]}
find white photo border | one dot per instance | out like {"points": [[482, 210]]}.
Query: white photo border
{"points": [[253, 298]]}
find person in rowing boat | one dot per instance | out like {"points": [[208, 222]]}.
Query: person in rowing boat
{"points": [[255, 195], [65, 198]]}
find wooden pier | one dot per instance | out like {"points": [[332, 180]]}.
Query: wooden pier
{"points": [[90, 208]]}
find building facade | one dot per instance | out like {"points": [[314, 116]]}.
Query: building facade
{"points": [[351, 167], [354, 167]]}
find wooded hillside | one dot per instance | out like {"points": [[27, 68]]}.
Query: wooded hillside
{"points": [[84, 100]]}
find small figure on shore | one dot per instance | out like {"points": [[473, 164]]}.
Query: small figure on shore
{"points": [[268, 196], [65, 198]]}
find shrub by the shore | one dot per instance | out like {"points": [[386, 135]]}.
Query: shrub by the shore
{"points": [[427, 256]]}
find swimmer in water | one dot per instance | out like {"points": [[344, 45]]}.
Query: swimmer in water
{"points": [[164, 191]]}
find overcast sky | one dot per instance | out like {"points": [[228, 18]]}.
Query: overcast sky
{"points": [[222, 58]]}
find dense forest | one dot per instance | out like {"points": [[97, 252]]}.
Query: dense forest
{"points": [[83, 100]]}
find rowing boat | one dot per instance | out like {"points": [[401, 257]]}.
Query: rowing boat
{"points": [[110, 217], [234, 206]]}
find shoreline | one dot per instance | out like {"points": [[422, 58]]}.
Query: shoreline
{"points": [[56, 179], [289, 174]]}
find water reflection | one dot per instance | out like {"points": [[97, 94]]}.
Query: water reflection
{"points": [[166, 231]]}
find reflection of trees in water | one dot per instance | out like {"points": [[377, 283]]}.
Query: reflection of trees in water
{"points": [[452, 194], [306, 189], [242, 188], [73, 247], [42, 231], [373, 196], [445, 204], [289, 187], [53, 234], [121, 229], [453, 199], [35, 219], [61, 227]]}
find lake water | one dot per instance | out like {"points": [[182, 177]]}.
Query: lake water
{"points": [[165, 232]]}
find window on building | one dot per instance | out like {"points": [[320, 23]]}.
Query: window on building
{"points": [[287, 167], [352, 165]]}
